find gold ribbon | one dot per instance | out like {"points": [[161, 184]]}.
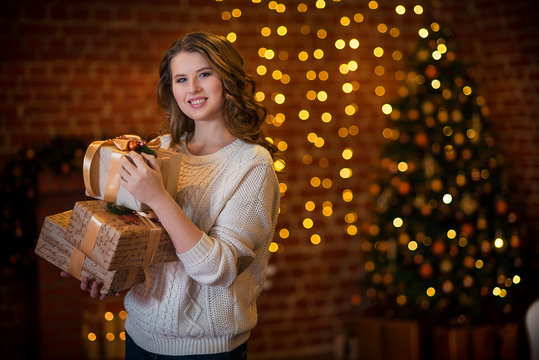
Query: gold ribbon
{"points": [[87, 245], [121, 147], [151, 249], [131, 277]]}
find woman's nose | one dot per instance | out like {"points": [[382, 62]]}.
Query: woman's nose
{"points": [[194, 86]]}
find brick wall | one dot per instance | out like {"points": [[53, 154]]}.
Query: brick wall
{"points": [[89, 69]]}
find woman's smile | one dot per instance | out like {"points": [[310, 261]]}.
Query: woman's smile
{"points": [[197, 88]]}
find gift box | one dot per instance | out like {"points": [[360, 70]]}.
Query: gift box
{"points": [[480, 342], [102, 162], [388, 339], [53, 247], [118, 241]]}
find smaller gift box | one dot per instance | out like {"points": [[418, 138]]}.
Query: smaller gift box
{"points": [[102, 162], [53, 247], [118, 241]]}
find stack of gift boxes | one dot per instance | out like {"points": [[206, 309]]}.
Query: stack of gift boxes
{"points": [[114, 238]]}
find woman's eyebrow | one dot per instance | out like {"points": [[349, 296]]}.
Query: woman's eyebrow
{"points": [[206, 68]]}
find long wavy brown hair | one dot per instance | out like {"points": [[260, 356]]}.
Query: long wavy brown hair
{"points": [[243, 115]]}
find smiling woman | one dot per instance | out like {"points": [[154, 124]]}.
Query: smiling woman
{"points": [[243, 115], [222, 219], [198, 91]]}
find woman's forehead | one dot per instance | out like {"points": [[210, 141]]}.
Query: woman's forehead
{"points": [[188, 61]]}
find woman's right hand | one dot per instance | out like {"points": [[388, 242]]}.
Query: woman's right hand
{"points": [[90, 285]]}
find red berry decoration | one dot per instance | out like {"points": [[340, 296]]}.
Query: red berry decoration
{"points": [[132, 145]]}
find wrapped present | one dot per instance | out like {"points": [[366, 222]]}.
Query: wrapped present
{"points": [[102, 162], [374, 334], [480, 342], [53, 247], [118, 241]]}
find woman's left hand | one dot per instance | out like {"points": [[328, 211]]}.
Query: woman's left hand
{"points": [[142, 177]]}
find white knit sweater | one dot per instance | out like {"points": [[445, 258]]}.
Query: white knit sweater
{"points": [[205, 303]]}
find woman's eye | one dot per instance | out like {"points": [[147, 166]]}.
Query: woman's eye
{"points": [[180, 80], [204, 74]]}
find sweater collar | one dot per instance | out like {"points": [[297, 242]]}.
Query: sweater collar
{"points": [[221, 154]]}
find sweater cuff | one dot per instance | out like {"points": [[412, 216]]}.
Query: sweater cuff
{"points": [[198, 252]]}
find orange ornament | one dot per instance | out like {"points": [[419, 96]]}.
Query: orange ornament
{"points": [[421, 139], [501, 206], [467, 229], [438, 248], [404, 188], [426, 270], [431, 71]]}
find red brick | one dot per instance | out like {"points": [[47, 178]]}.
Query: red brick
{"points": [[98, 74]]}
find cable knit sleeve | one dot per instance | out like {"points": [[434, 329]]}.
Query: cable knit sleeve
{"points": [[243, 227]]}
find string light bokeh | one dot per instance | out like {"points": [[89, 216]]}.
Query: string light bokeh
{"points": [[326, 93], [326, 107]]}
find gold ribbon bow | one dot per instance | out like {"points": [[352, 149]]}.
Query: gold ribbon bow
{"points": [[121, 145]]}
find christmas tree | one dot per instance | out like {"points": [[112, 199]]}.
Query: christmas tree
{"points": [[443, 242]]}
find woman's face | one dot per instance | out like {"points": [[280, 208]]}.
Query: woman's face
{"points": [[197, 88]]}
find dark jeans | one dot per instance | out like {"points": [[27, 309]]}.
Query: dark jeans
{"points": [[135, 352]]}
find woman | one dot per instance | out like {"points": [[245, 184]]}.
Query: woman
{"points": [[223, 217]]}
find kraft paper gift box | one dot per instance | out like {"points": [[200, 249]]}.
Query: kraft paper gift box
{"points": [[118, 241], [388, 339], [102, 164], [54, 248]]}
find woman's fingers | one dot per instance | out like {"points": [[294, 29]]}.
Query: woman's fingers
{"points": [[84, 283], [90, 285], [152, 161], [137, 159], [127, 167], [94, 291]]}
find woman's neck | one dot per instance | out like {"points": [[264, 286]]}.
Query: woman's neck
{"points": [[206, 141]]}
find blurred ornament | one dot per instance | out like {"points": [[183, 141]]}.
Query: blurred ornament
{"points": [[404, 238], [466, 154], [468, 204], [413, 114], [515, 241], [421, 139], [468, 229], [419, 201], [426, 270], [501, 206], [438, 247], [428, 108], [459, 138], [482, 223], [436, 185], [446, 265], [468, 262], [374, 189], [429, 166], [404, 188], [456, 115], [467, 281], [431, 72], [426, 210], [447, 286], [422, 55]]}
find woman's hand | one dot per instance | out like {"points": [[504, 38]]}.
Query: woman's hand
{"points": [[90, 285], [142, 177]]}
